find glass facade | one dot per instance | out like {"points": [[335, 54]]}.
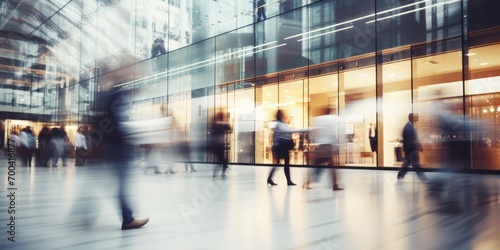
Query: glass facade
{"points": [[372, 61]]}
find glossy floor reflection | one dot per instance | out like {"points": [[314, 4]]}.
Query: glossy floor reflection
{"points": [[75, 208]]}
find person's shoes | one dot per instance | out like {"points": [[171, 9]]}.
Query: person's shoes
{"points": [[306, 186], [157, 172], [337, 187], [135, 224], [291, 184], [192, 171], [223, 176], [54, 165], [270, 182]]}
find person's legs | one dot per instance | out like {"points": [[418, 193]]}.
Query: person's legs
{"points": [[55, 154], [404, 167], [78, 157], [29, 157], [224, 163], [64, 155], [415, 161], [286, 169], [271, 174], [120, 158]]}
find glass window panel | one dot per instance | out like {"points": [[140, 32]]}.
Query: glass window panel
{"points": [[243, 113], [437, 93], [478, 10], [232, 60], [396, 105], [402, 22], [266, 105], [115, 31], [483, 89], [323, 92], [291, 101], [359, 108]]}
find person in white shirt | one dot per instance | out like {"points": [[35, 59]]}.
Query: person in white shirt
{"points": [[81, 147], [325, 134]]}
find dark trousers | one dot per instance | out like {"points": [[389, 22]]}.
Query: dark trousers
{"points": [[79, 160], [221, 159], [261, 14], [412, 158], [120, 156], [285, 155], [27, 155]]}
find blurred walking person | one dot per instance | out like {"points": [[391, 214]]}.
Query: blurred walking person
{"points": [[44, 147], [186, 152], [282, 144], [28, 145], [219, 129], [59, 139], [324, 133], [411, 148], [81, 147], [119, 152]]}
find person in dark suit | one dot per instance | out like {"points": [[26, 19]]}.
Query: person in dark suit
{"points": [[411, 147], [217, 144], [261, 10], [119, 153]]}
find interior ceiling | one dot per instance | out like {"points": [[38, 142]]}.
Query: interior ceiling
{"points": [[26, 24], [36, 33]]}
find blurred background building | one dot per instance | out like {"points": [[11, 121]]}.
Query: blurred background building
{"points": [[372, 61]]}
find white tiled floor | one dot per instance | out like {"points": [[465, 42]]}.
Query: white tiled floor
{"points": [[192, 211]]}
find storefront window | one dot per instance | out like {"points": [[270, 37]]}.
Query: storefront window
{"points": [[396, 105], [437, 92], [359, 108], [483, 88], [266, 105]]}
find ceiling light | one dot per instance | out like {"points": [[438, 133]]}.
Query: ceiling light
{"points": [[471, 54], [484, 64]]}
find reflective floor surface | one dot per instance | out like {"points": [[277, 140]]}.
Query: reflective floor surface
{"points": [[76, 208]]}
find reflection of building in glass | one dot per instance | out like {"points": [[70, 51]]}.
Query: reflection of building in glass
{"points": [[369, 62]]}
